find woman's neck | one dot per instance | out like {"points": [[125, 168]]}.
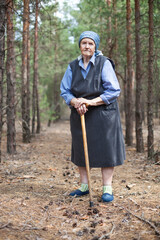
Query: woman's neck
{"points": [[86, 60]]}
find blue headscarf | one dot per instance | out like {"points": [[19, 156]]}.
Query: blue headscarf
{"points": [[92, 35]]}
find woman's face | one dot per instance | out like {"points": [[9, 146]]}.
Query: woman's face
{"points": [[87, 47]]}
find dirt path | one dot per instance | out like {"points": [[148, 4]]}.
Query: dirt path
{"points": [[34, 201]]}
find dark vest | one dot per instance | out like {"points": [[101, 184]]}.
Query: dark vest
{"points": [[91, 86]]}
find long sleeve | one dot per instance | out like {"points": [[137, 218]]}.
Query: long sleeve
{"points": [[110, 83], [66, 86]]}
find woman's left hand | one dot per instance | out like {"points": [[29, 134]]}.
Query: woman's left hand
{"points": [[82, 109], [85, 101]]}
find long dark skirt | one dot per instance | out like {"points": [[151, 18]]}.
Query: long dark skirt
{"points": [[104, 137]]}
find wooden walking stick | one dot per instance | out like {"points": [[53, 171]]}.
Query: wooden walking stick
{"points": [[86, 157]]}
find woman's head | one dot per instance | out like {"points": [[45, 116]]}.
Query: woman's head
{"points": [[91, 35], [87, 47]]}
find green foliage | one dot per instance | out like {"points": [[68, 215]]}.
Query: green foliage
{"points": [[58, 41]]}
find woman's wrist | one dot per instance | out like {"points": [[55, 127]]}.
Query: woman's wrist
{"points": [[96, 102], [73, 101], [77, 102]]}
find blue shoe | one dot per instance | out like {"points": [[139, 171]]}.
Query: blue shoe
{"points": [[106, 197], [78, 193]]}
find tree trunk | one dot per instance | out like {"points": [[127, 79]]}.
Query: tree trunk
{"points": [[35, 95], [28, 74], [36, 69], [2, 56], [109, 28], [38, 111], [156, 86], [56, 93], [10, 71], [150, 83], [125, 90], [129, 104], [138, 112], [25, 117], [115, 33]]}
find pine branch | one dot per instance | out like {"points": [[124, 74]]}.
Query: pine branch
{"points": [[142, 219]]}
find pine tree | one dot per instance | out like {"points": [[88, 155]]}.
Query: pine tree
{"points": [[2, 56], [35, 93], [10, 72], [150, 82], [25, 117], [138, 112], [129, 103]]}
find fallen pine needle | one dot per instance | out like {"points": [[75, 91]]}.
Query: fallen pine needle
{"points": [[84, 218], [102, 205], [26, 177]]}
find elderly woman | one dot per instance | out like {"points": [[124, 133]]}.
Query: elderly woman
{"points": [[90, 87]]}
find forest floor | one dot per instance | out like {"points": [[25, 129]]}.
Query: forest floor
{"points": [[35, 183]]}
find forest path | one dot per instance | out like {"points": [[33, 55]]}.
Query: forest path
{"points": [[34, 188]]}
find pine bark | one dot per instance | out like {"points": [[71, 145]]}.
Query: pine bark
{"points": [[157, 87], [115, 32], [150, 83], [35, 94], [109, 29], [138, 112], [129, 104], [10, 72], [28, 75], [36, 70], [56, 92], [2, 56], [25, 117]]}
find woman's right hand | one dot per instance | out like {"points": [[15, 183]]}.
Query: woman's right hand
{"points": [[80, 107], [75, 102]]}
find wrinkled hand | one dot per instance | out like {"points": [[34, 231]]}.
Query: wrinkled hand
{"points": [[82, 109], [80, 104]]}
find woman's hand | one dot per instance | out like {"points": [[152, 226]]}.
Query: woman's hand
{"points": [[80, 105], [93, 102], [82, 109], [86, 102]]}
